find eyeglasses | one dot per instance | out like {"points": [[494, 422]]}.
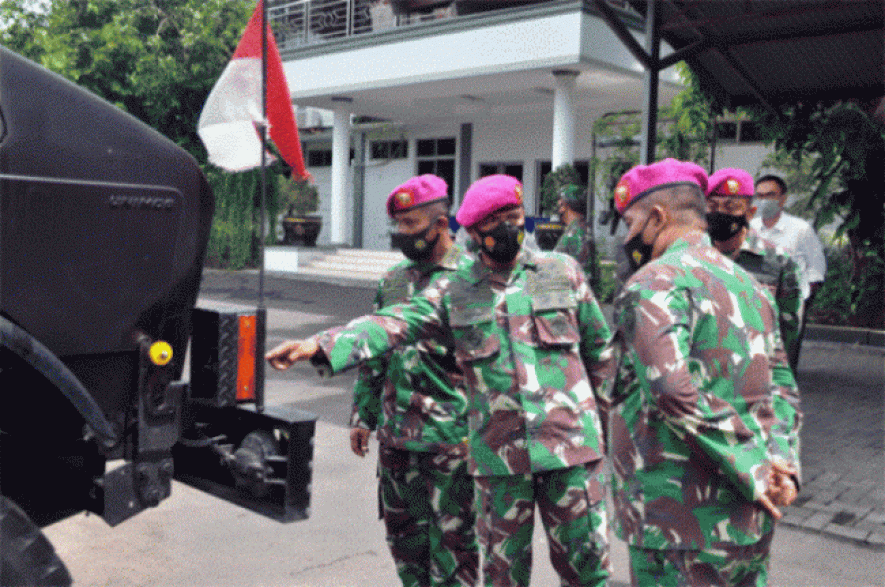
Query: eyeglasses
{"points": [[733, 206]]}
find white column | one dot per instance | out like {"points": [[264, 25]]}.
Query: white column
{"points": [[340, 167], [563, 117]]}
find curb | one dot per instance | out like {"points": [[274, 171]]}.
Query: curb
{"points": [[845, 334]]}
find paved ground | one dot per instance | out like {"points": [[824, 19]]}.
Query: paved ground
{"points": [[194, 539], [842, 384]]}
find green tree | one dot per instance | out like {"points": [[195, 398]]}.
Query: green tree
{"points": [[156, 59], [845, 146]]}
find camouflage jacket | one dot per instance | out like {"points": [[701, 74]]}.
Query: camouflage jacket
{"points": [[702, 402], [779, 273], [525, 340], [415, 396], [574, 241]]}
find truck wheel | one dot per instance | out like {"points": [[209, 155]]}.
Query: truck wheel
{"points": [[26, 556]]}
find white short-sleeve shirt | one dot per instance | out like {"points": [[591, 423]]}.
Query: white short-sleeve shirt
{"points": [[799, 239]]}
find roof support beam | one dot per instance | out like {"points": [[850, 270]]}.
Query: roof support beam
{"points": [[748, 79], [620, 30]]}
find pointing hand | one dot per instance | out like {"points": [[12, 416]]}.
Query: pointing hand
{"points": [[290, 352]]}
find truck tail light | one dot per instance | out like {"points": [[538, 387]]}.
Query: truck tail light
{"points": [[227, 354], [247, 344]]}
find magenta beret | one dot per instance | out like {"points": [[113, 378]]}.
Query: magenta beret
{"points": [[642, 180], [487, 195], [730, 182], [416, 192]]}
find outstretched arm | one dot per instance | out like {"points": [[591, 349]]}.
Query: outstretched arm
{"points": [[290, 352]]}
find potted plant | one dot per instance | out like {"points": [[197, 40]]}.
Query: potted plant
{"points": [[301, 224]]}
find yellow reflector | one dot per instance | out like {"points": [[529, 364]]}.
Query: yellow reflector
{"points": [[160, 353]]}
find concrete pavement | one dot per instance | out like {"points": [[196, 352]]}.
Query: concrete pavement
{"points": [[830, 538], [843, 493]]}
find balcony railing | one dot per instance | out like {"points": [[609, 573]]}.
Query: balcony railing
{"points": [[297, 23]]}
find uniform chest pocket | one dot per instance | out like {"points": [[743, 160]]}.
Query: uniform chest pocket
{"points": [[555, 319], [474, 332]]}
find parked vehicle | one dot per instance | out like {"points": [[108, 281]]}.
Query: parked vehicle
{"points": [[103, 230]]}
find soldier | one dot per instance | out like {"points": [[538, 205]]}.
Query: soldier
{"points": [[704, 414], [575, 239], [527, 331], [729, 211], [415, 399]]}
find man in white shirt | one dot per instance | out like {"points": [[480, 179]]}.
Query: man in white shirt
{"points": [[791, 233]]}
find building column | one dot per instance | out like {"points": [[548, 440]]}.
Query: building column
{"points": [[563, 117], [340, 167]]}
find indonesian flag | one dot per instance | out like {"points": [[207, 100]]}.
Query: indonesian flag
{"points": [[227, 124]]}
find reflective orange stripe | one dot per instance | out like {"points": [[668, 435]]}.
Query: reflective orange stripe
{"points": [[246, 358]]}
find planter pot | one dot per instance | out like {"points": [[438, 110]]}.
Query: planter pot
{"points": [[302, 230], [547, 234]]}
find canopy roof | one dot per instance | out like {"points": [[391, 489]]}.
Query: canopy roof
{"points": [[777, 51]]}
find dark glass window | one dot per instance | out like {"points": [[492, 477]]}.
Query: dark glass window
{"points": [[389, 149], [319, 157], [426, 148], [726, 131], [750, 132], [445, 147]]}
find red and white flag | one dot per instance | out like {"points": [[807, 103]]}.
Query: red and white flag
{"points": [[227, 124]]}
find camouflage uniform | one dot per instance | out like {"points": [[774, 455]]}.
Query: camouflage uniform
{"points": [[779, 273], [415, 399], [575, 241], [703, 400], [525, 340]]}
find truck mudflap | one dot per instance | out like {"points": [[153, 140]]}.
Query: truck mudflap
{"points": [[260, 460]]}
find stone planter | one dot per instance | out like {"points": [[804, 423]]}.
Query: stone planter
{"points": [[547, 234], [302, 230]]}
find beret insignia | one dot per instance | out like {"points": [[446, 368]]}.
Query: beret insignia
{"points": [[732, 186], [622, 194], [405, 199]]}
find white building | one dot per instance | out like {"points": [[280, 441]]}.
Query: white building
{"points": [[438, 87]]}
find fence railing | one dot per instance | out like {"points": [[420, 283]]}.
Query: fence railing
{"points": [[297, 23]]}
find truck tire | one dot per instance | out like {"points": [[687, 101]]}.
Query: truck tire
{"points": [[26, 556]]}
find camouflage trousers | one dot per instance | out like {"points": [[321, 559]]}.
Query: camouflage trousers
{"points": [[426, 502], [737, 566], [571, 503]]}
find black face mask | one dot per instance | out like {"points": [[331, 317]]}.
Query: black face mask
{"points": [[638, 253], [724, 226], [415, 247], [503, 242]]}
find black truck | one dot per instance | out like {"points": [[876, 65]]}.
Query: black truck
{"points": [[112, 382]]}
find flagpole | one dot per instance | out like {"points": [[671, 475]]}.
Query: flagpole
{"points": [[261, 315]]}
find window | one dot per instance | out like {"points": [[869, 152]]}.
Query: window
{"points": [[511, 169], [389, 149], [750, 132], [726, 131], [437, 156], [319, 158], [436, 147], [740, 131]]}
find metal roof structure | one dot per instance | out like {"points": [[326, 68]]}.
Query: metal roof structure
{"points": [[769, 52], [779, 51]]}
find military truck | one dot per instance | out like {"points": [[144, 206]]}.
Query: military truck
{"points": [[104, 226]]}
